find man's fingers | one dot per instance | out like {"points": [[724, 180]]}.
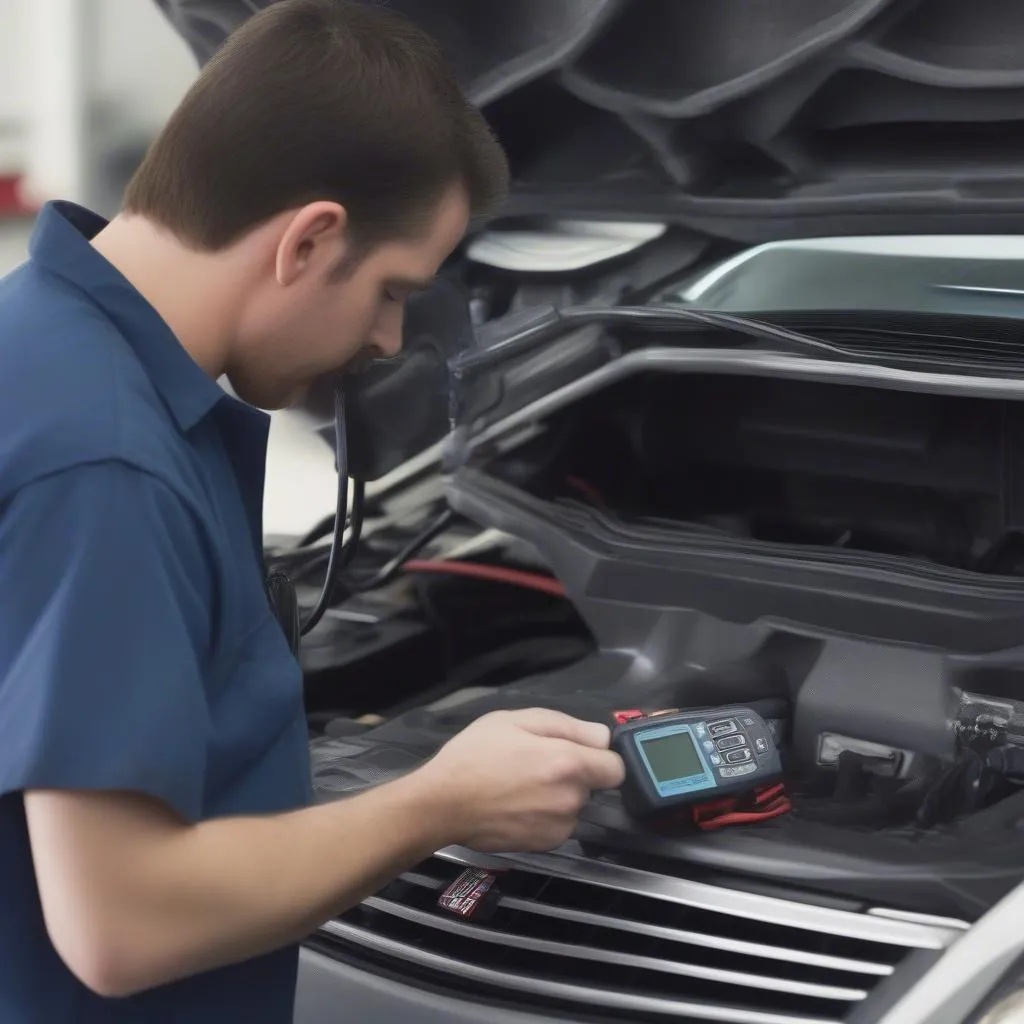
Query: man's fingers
{"points": [[592, 769], [599, 767], [545, 722], [602, 769], [593, 734]]}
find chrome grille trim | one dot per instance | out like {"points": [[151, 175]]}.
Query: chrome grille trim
{"points": [[579, 994], [929, 920], [658, 931], [579, 952], [807, 917], [633, 942]]}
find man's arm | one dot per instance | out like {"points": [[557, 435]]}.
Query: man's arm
{"points": [[133, 897], [104, 716]]}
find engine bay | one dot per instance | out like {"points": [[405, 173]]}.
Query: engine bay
{"points": [[849, 554]]}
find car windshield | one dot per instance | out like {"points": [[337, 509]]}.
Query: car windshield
{"points": [[983, 276]]}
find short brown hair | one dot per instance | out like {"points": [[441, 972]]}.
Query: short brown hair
{"points": [[318, 99]]}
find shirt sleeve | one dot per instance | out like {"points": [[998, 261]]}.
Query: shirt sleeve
{"points": [[106, 610]]}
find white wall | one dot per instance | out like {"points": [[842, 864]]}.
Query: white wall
{"points": [[13, 65], [135, 68], [13, 83], [142, 67]]}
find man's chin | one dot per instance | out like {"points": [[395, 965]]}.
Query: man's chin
{"points": [[297, 396], [270, 398]]}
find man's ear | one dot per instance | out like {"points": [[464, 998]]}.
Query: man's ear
{"points": [[314, 238]]}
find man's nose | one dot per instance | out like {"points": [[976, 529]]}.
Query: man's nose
{"points": [[387, 335]]}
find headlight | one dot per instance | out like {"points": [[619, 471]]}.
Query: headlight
{"points": [[1005, 1003], [1008, 1010]]}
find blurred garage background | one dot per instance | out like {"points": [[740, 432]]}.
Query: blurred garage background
{"points": [[84, 87]]}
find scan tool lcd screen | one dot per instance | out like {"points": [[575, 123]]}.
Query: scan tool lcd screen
{"points": [[672, 757]]}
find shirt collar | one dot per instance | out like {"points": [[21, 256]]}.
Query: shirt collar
{"points": [[60, 244]]}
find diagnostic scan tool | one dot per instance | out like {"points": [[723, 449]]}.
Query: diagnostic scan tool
{"points": [[693, 757]]}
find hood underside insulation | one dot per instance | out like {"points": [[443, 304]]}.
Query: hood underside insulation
{"points": [[748, 120]]}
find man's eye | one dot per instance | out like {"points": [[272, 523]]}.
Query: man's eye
{"points": [[392, 296]]}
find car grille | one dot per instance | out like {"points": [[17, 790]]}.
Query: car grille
{"points": [[620, 943]]}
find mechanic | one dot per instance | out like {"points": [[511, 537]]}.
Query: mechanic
{"points": [[159, 856]]}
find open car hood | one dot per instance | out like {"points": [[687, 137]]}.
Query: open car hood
{"points": [[745, 120]]}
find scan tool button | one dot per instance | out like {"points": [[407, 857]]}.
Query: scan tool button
{"points": [[723, 728]]}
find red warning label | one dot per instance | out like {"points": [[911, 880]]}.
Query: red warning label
{"points": [[468, 892]]}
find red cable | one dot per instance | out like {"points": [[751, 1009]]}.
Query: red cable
{"points": [[762, 796], [768, 802], [745, 817], [494, 573]]}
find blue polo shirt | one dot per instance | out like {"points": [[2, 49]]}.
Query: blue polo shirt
{"points": [[138, 650]]}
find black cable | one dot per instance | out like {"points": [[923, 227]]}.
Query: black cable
{"points": [[355, 524], [392, 568], [663, 317], [298, 563], [387, 572], [300, 560], [338, 555], [317, 533], [668, 317], [324, 528], [342, 551]]}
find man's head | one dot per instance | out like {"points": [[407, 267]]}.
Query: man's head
{"points": [[328, 154]]}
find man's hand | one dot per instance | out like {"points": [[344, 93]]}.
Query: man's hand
{"points": [[134, 897], [518, 779]]}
